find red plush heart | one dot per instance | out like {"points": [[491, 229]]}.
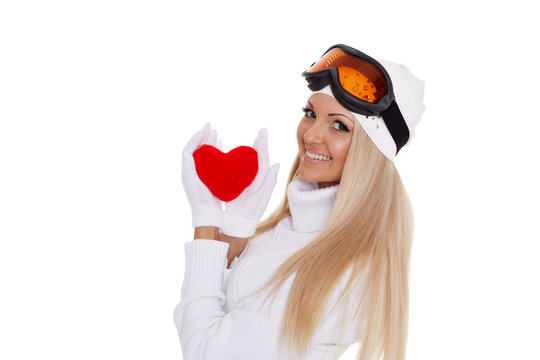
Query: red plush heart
{"points": [[226, 175]]}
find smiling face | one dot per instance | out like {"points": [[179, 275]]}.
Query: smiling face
{"points": [[324, 136]]}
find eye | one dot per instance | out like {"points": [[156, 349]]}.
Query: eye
{"points": [[309, 113], [338, 125]]}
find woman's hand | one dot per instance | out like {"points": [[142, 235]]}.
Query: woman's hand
{"points": [[205, 207], [236, 246], [242, 215]]}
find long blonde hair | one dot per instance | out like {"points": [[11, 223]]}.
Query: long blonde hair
{"points": [[369, 231]]}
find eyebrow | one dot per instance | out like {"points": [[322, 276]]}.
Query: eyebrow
{"points": [[334, 114], [345, 116]]}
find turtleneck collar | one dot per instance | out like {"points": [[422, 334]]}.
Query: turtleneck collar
{"points": [[310, 206]]}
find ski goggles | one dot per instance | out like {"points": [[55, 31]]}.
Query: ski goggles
{"points": [[361, 84]]}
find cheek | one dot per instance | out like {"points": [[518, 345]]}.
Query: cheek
{"points": [[341, 149], [300, 135]]}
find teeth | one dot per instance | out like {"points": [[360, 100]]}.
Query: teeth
{"points": [[316, 156]]}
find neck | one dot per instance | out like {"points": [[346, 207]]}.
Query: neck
{"points": [[323, 185]]}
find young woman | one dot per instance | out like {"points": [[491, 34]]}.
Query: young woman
{"points": [[333, 258]]}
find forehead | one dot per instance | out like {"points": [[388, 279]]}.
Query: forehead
{"points": [[327, 101]]}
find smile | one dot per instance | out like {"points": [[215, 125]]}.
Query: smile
{"points": [[317, 156]]}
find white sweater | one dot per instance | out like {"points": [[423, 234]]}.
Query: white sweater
{"points": [[217, 319]]}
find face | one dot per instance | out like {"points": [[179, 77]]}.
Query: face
{"points": [[324, 136]]}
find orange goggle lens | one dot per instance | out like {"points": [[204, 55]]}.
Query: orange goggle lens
{"points": [[358, 77]]}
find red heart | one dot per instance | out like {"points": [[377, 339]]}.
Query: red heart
{"points": [[226, 175]]}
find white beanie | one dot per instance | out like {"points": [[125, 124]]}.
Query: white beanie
{"points": [[409, 93]]}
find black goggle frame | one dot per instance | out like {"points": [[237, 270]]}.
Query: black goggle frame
{"points": [[386, 107]]}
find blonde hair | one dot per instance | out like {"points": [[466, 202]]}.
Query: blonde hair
{"points": [[369, 231]]}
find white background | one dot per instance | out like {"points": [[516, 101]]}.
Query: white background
{"points": [[98, 98]]}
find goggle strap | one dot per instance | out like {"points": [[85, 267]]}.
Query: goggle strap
{"points": [[396, 125]]}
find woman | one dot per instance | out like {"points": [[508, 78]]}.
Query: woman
{"points": [[334, 256]]}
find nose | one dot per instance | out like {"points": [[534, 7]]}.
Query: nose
{"points": [[315, 133]]}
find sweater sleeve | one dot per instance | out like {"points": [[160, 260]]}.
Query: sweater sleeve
{"points": [[206, 331]]}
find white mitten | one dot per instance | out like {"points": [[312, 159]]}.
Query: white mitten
{"points": [[242, 215], [205, 207]]}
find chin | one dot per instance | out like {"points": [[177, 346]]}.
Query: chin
{"points": [[309, 176]]}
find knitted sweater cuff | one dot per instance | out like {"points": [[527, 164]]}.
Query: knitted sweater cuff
{"points": [[206, 261]]}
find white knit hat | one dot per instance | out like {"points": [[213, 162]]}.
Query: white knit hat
{"points": [[409, 93]]}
